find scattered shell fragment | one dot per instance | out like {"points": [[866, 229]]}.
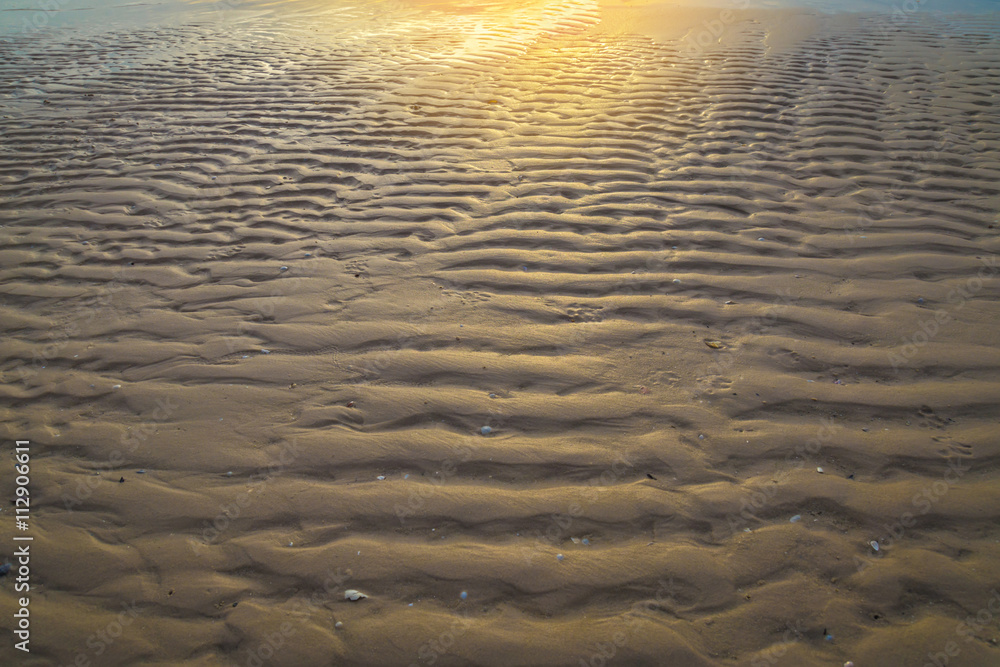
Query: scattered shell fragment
{"points": [[353, 595], [874, 545], [714, 344], [819, 470], [486, 430], [796, 518]]}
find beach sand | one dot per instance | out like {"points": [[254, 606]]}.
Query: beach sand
{"points": [[722, 283]]}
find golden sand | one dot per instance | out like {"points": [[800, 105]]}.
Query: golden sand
{"points": [[722, 283]]}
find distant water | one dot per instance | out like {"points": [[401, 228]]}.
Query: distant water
{"points": [[27, 15]]}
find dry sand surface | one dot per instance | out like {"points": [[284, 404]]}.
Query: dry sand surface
{"points": [[723, 285]]}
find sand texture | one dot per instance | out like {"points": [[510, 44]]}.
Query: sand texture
{"points": [[727, 307]]}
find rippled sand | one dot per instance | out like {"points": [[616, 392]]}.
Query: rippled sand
{"points": [[727, 304]]}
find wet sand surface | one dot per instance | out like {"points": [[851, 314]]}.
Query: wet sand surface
{"points": [[726, 307]]}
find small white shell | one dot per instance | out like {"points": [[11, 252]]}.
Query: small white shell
{"points": [[353, 595]]}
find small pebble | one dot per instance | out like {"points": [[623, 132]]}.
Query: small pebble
{"points": [[229, 474], [493, 395], [796, 518], [338, 625], [353, 595], [920, 300], [284, 268], [486, 430], [828, 638], [464, 595], [819, 470], [849, 663], [309, 254], [264, 351], [380, 477], [140, 472], [586, 541], [761, 238], [117, 386], [677, 281], [560, 557]]}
